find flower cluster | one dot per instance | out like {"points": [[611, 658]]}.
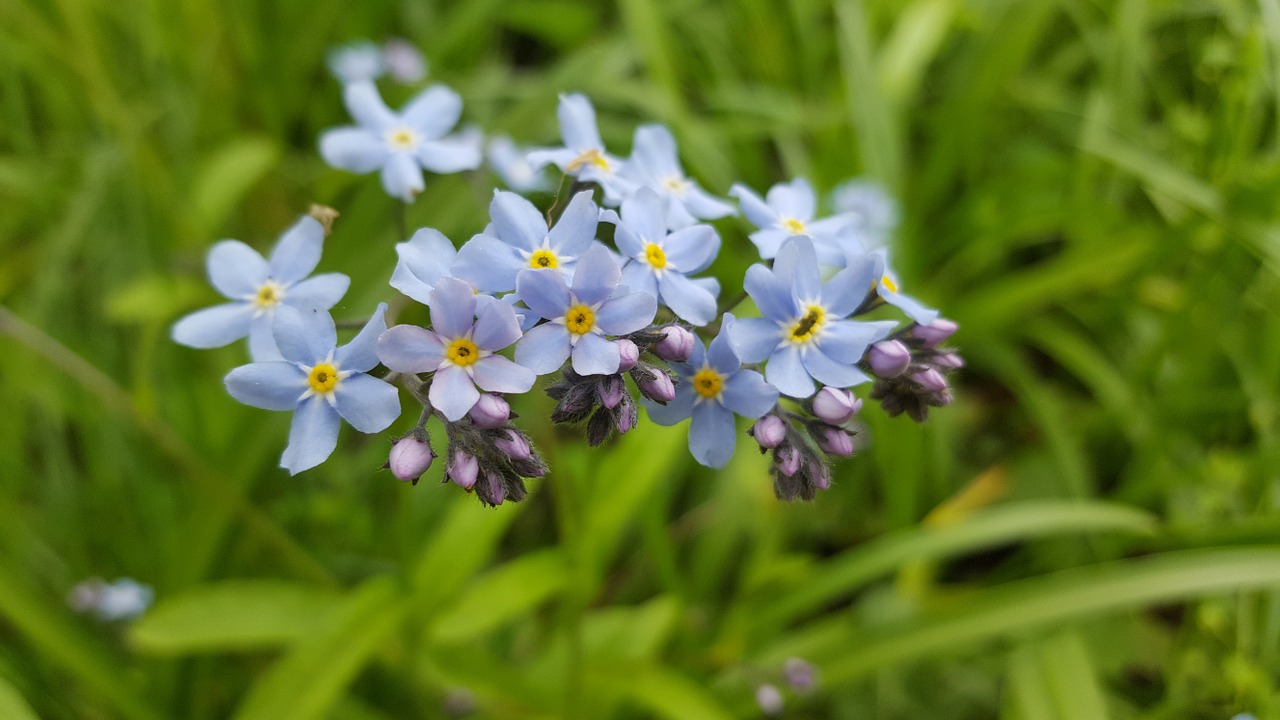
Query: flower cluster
{"points": [[607, 291]]}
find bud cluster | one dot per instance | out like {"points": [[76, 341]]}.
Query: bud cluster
{"points": [[491, 459], [911, 369]]}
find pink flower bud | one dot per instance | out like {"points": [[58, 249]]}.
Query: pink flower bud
{"points": [[625, 417], [789, 460], [659, 388], [628, 354], [514, 445], [835, 406], [463, 470], [409, 458], [769, 698], [676, 344], [835, 441], [948, 361], [935, 332], [931, 380], [610, 391], [769, 431], [801, 675], [497, 491], [490, 411], [889, 358]]}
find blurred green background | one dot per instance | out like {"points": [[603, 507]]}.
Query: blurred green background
{"points": [[1091, 531]]}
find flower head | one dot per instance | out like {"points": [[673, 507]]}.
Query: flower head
{"points": [[581, 317], [320, 381], [660, 263], [654, 164], [583, 155], [257, 288], [787, 211], [461, 349], [401, 144]]}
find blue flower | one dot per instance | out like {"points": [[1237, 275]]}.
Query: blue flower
{"points": [[580, 318], [512, 165], [714, 388], [257, 287], [887, 288], [659, 263], [401, 144], [655, 164], [787, 211], [460, 349], [583, 155], [523, 241], [320, 382], [803, 334], [876, 210]]}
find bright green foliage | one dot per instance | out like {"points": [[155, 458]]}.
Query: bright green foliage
{"points": [[1091, 189]]}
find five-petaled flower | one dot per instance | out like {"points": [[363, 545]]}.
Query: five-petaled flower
{"points": [[787, 211], [258, 287], [461, 349], [583, 155], [320, 382], [655, 164]]}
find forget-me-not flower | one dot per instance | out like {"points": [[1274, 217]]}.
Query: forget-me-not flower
{"points": [[511, 162], [321, 382], [875, 208], [787, 211], [655, 164], [660, 263], [583, 155], [401, 144], [257, 287], [460, 348], [887, 288], [523, 241], [714, 388], [803, 333], [579, 318]]}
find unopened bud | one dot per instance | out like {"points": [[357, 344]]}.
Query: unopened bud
{"points": [[514, 445], [948, 361], [801, 675], [888, 358], [497, 491], [769, 698], [490, 411], [463, 469], [628, 354], [409, 458], [610, 391], [659, 388], [676, 344], [931, 380], [625, 416], [789, 460], [769, 431], [935, 332], [835, 406], [835, 441]]}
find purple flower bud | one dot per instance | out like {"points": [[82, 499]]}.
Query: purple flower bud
{"points": [[409, 458], [676, 344], [497, 492], [625, 416], [628, 354], [514, 445], [769, 698], [819, 475], [789, 460], [835, 406], [769, 431], [835, 441], [931, 380], [610, 391], [889, 358], [490, 411], [948, 361], [801, 675], [463, 470], [935, 332], [659, 388]]}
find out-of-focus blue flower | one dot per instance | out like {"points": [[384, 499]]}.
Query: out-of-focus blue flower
{"points": [[660, 263], [404, 62], [257, 287], [580, 318], [401, 144], [803, 333], [320, 382], [655, 164], [123, 599], [714, 388], [523, 241], [887, 288], [872, 205], [357, 62], [512, 165], [583, 155], [460, 349], [787, 211]]}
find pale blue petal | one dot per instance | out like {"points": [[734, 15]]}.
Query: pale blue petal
{"points": [[692, 249], [544, 291], [410, 349], [769, 240], [578, 123], [366, 106], [489, 264], [423, 260], [704, 205], [367, 403], [846, 290], [313, 435], [754, 339], [629, 243], [680, 407], [594, 355], [560, 157], [235, 269], [498, 374], [697, 357], [771, 294], [574, 232], [709, 284], [792, 200], [401, 177], [433, 112], [753, 208], [322, 291], [496, 326], [836, 229], [678, 216], [453, 393], [639, 277], [720, 353], [268, 385], [452, 154], [786, 372], [215, 326], [361, 354], [644, 214], [354, 149], [627, 314], [544, 348], [797, 264], [847, 340], [829, 372], [262, 339], [453, 308], [517, 221], [912, 307], [653, 153], [747, 394], [687, 300], [304, 336], [596, 276], [711, 434]]}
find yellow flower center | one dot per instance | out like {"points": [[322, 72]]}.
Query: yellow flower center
{"points": [[402, 139], [808, 326], [269, 295], [708, 383], [591, 157], [794, 226], [543, 259], [580, 320], [462, 352], [677, 185], [655, 256], [888, 284], [323, 378]]}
